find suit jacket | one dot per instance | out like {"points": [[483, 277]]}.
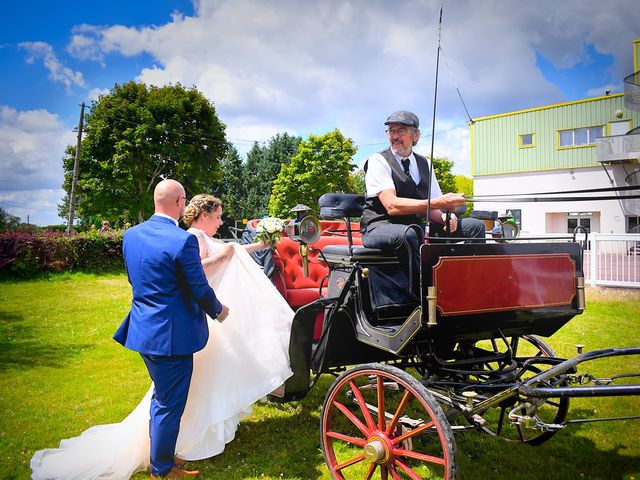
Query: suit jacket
{"points": [[170, 291]]}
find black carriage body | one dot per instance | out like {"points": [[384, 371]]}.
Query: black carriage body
{"points": [[482, 291]]}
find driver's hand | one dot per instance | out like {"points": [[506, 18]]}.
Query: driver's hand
{"points": [[453, 201], [453, 222]]}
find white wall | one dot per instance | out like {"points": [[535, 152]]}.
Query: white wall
{"points": [[550, 217]]}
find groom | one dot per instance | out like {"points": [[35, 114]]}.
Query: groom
{"points": [[167, 321]]}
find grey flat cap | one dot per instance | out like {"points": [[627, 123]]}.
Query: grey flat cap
{"points": [[403, 117]]}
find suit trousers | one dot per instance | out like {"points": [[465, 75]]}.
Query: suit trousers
{"points": [[171, 377]]}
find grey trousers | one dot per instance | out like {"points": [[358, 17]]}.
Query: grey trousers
{"points": [[393, 237]]}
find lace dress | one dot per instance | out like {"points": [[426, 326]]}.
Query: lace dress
{"points": [[245, 358]]}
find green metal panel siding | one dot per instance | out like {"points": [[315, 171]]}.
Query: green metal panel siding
{"points": [[495, 139]]}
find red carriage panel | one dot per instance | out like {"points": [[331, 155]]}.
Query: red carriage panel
{"points": [[494, 283]]}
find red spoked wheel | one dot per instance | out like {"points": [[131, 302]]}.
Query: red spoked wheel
{"points": [[378, 421]]}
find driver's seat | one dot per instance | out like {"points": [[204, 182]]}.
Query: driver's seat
{"points": [[384, 287]]}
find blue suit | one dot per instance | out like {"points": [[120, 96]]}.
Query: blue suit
{"points": [[167, 322]]}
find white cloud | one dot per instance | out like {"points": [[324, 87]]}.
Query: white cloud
{"points": [[84, 44], [32, 144], [96, 93], [57, 71], [315, 66]]}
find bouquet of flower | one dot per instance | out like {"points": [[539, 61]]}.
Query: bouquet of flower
{"points": [[269, 230]]}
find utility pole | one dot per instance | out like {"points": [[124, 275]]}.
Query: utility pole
{"points": [[74, 181]]}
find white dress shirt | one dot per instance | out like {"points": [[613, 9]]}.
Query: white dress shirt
{"points": [[378, 176], [167, 216]]}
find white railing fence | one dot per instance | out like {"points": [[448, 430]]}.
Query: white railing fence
{"points": [[609, 260], [613, 260]]}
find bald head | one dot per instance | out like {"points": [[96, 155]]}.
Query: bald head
{"points": [[169, 198]]}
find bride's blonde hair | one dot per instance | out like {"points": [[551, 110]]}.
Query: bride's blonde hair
{"points": [[201, 203]]}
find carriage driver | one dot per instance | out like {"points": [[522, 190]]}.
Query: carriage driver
{"points": [[397, 191]]}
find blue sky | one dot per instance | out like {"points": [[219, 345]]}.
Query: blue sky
{"points": [[297, 66]]}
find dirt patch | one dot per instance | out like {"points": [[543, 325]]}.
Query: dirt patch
{"points": [[611, 293]]}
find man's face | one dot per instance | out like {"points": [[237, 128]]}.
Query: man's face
{"points": [[402, 138]]}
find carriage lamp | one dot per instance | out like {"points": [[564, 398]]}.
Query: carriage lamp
{"points": [[304, 229]]}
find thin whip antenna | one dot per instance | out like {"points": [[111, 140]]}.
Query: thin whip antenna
{"points": [[446, 64], [433, 124]]}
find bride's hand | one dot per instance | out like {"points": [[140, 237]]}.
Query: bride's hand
{"points": [[223, 314]]}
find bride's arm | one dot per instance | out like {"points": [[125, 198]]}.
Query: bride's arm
{"points": [[216, 260], [254, 247], [210, 263]]}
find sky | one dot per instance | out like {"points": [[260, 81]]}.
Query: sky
{"points": [[297, 66]]}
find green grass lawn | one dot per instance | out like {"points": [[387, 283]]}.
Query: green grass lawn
{"points": [[61, 373]]}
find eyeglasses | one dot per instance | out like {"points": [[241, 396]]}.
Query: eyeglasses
{"points": [[402, 131], [181, 197]]}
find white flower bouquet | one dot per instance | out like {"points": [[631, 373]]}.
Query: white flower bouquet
{"points": [[269, 230]]}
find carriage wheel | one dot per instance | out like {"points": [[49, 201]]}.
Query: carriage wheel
{"points": [[378, 421], [548, 410]]}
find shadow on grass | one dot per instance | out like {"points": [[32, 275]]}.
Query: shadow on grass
{"points": [[273, 447], [23, 347], [293, 451], [566, 456]]}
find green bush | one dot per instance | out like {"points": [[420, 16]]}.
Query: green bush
{"points": [[29, 254]]}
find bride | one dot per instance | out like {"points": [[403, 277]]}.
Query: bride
{"points": [[245, 359]]}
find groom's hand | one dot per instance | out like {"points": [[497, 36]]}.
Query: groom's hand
{"points": [[223, 314]]}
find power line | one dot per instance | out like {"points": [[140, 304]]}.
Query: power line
{"points": [[249, 141]]}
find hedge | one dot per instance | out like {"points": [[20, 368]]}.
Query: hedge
{"points": [[28, 254]]}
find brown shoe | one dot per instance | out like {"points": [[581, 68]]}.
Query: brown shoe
{"points": [[176, 472], [179, 461]]}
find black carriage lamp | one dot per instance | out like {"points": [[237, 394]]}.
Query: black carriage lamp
{"points": [[304, 229]]}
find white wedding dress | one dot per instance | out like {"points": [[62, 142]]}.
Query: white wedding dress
{"points": [[245, 358]]}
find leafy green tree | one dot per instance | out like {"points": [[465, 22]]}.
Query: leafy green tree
{"points": [[357, 182], [442, 170], [230, 188], [323, 164], [250, 201], [465, 185], [262, 167], [138, 135], [8, 221]]}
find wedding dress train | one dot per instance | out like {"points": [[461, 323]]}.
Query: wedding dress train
{"points": [[245, 358]]}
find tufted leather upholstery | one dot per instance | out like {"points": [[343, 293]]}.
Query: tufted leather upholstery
{"points": [[290, 280]]}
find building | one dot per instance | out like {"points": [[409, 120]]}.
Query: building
{"points": [[579, 145]]}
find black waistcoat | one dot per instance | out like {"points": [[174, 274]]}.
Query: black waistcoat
{"points": [[374, 211]]}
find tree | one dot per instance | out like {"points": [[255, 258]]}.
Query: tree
{"points": [[8, 221], [230, 188], [138, 135], [262, 167], [322, 164], [357, 181], [442, 170], [465, 185]]}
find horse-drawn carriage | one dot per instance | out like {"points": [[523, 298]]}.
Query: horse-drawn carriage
{"points": [[411, 370]]}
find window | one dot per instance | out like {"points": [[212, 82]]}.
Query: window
{"points": [[576, 219], [526, 140], [579, 136]]}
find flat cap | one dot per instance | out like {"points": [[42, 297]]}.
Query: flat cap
{"points": [[403, 117]]}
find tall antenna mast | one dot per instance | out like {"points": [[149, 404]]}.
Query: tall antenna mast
{"points": [[433, 123]]}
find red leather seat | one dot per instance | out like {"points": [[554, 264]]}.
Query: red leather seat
{"points": [[297, 289]]}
